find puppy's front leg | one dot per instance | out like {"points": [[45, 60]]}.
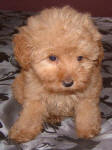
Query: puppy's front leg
{"points": [[88, 119], [29, 123]]}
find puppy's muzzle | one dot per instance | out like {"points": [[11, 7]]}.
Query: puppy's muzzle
{"points": [[68, 83]]}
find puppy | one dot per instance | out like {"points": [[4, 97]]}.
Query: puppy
{"points": [[60, 54]]}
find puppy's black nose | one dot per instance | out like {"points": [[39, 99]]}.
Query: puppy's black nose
{"points": [[68, 83]]}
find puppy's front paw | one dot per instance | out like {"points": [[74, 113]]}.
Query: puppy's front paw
{"points": [[21, 135], [87, 132]]}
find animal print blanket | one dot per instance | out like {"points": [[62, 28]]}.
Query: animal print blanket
{"points": [[60, 137]]}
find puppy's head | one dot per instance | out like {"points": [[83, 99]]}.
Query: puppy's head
{"points": [[61, 46]]}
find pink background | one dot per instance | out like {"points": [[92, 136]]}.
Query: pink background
{"points": [[95, 7]]}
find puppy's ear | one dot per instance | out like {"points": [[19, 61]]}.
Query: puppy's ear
{"points": [[91, 27], [22, 50], [96, 36]]}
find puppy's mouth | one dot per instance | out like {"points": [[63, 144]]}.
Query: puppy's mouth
{"points": [[67, 91]]}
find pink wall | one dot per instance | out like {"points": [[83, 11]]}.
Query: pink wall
{"points": [[95, 7]]}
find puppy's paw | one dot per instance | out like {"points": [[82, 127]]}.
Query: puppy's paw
{"points": [[88, 132], [21, 135]]}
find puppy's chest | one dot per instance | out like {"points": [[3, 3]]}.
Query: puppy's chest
{"points": [[61, 105]]}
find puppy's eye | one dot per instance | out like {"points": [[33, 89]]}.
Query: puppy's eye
{"points": [[79, 58], [52, 58]]}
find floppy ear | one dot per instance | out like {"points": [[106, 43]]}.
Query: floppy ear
{"points": [[96, 36], [22, 50]]}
